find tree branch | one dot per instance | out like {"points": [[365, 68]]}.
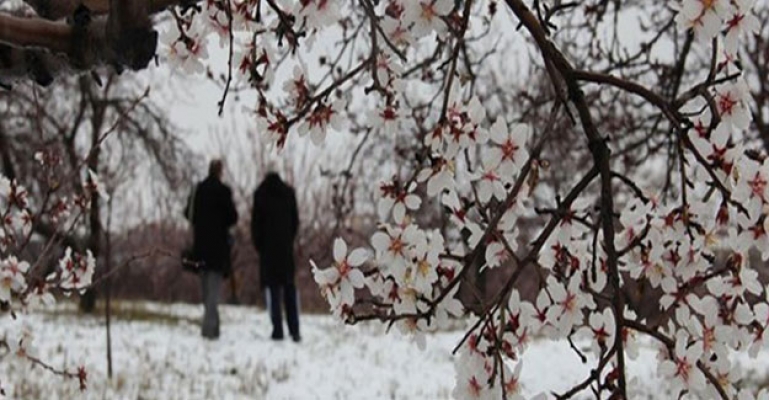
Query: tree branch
{"points": [[42, 49], [58, 9], [35, 32], [601, 160]]}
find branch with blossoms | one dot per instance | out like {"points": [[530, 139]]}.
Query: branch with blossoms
{"points": [[682, 357], [23, 346], [41, 256], [21, 285], [25, 285], [399, 201], [601, 156], [395, 279]]}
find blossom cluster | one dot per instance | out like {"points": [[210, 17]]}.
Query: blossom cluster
{"points": [[33, 282], [708, 19], [404, 24]]}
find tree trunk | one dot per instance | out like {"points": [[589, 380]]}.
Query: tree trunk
{"points": [[88, 299]]}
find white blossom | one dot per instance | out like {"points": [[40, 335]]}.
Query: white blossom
{"points": [[426, 16]]}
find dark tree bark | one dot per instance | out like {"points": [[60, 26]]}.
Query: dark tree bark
{"points": [[88, 299]]}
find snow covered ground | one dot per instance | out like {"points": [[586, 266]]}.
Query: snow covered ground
{"points": [[158, 354]]}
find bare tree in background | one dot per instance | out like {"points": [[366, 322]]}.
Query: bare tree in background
{"points": [[114, 130]]}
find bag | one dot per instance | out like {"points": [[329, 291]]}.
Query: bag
{"points": [[190, 260]]}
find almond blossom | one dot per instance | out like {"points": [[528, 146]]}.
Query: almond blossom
{"points": [[318, 13], [717, 150], [386, 119], [681, 368], [40, 295], [510, 152], [254, 63], [17, 221], [186, 49], [736, 284], [21, 341], [568, 304], [426, 261], [439, 178], [634, 218], [714, 335], [471, 377], [76, 270], [398, 201], [393, 249], [703, 16], [416, 328], [426, 16], [648, 262], [520, 317], [490, 184], [496, 254], [398, 32], [12, 277], [458, 214], [388, 69], [752, 189], [218, 22], [322, 118], [601, 330], [732, 100], [462, 127], [753, 236], [298, 88], [740, 23], [340, 281], [726, 374], [760, 335]]}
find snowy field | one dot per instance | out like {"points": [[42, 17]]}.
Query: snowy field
{"points": [[158, 354]]}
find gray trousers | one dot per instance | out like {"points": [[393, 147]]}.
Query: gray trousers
{"points": [[211, 284]]}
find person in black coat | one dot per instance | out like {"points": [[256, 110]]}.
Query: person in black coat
{"points": [[212, 212], [274, 223]]}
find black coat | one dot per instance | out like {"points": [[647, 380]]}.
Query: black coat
{"points": [[214, 214], [274, 223]]}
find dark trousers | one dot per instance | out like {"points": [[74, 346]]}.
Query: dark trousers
{"points": [[276, 296], [211, 284]]}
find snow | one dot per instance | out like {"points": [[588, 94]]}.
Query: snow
{"points": [[159, 354]]}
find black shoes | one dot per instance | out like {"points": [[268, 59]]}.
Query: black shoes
{"points": [[211, 334], [277, 338]]}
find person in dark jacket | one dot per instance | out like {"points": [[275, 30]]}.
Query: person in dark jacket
{"points": [[212, 212], [274, 223]]}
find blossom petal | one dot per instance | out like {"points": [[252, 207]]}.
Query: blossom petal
{"points": [[356, 278], [340, 250], [357, 257]]}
